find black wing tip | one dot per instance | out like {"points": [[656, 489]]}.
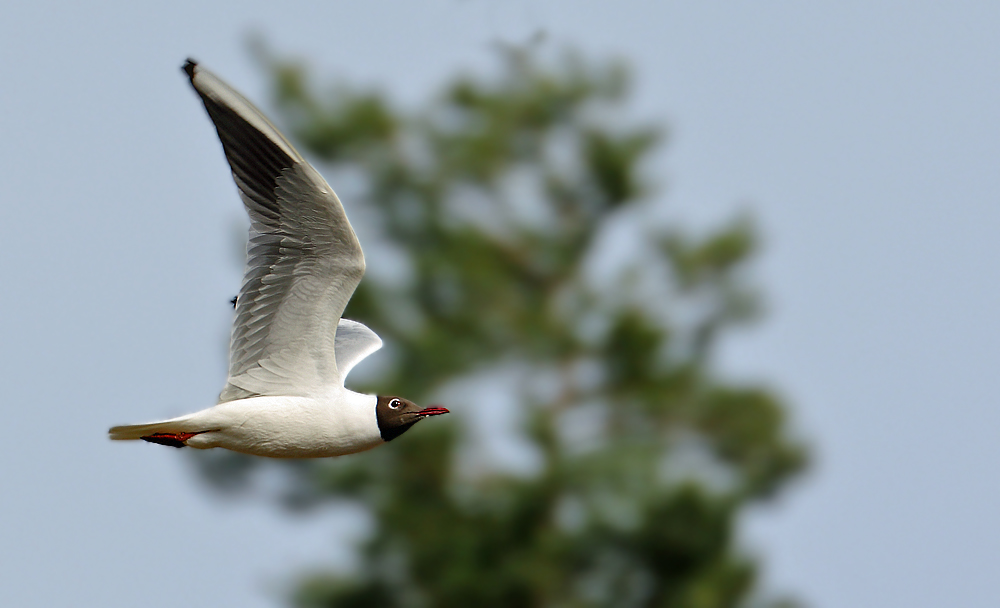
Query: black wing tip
{"points": [[189, 66]]}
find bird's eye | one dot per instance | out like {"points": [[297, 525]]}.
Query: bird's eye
{"points": [[395, 404]]}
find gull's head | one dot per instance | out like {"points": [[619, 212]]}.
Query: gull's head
{"points": [[395, 415]]}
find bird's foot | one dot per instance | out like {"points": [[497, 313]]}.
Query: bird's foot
{"points": [[174, 440]]}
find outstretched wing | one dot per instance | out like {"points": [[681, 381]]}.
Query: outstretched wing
{"points": [[354, 342], [303, 258]]}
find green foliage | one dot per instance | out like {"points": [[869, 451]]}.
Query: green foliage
{"points": [[497, 194]]}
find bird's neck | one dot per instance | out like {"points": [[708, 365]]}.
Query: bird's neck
{"points": [[358, 402]]}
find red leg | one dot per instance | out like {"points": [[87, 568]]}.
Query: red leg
{"points": [[174, 440]]}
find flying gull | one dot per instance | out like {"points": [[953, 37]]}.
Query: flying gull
{"points": [[290, 350]]}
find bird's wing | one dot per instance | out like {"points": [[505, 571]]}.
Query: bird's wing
{"points": [[303, 258], [354, 342]]}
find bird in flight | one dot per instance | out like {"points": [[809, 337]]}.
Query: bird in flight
{"points": [[290, 350]]}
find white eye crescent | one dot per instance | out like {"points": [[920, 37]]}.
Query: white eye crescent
{"points": [[395, 404]]}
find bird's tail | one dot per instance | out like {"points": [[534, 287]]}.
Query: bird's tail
{"points": [[178, 427]]}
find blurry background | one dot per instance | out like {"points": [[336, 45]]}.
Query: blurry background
{"points": [[862, 139]]}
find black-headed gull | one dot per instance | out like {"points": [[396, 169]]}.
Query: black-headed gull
{"points": [[290, 350]]}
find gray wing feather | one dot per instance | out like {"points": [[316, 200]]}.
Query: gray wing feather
{"points": [[303, 258], [354, 342]]}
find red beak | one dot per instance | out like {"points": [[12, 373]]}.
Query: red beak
{"points": [[434, 410]]}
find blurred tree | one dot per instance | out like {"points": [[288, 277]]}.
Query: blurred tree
{"points": [[502, 197]]}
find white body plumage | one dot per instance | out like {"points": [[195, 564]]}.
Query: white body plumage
{"points": [[288, 427]]}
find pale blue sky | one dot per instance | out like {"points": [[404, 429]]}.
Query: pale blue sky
{"points": [[864, 136]]}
